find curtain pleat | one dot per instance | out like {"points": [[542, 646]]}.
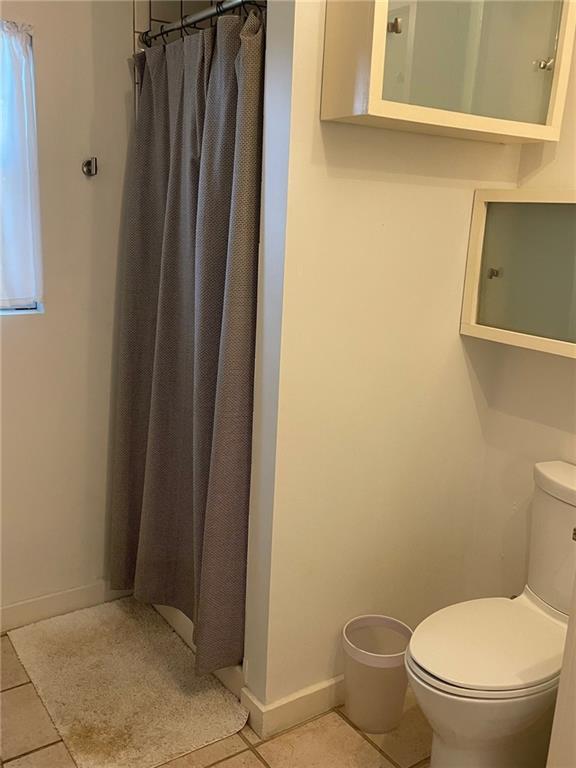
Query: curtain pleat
{"points": [[182, 437], [139, 277], [230, 366]]}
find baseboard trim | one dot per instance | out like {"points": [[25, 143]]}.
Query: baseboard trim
{"points": [[268, 719], [230, 677], [56, 603]]}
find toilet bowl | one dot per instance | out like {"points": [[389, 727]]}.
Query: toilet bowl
{"points": [[485, 672]]}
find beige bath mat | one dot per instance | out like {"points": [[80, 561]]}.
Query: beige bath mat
{"points": [[120, 686]]}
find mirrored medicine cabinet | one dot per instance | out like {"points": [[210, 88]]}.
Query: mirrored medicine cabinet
{"points": [[520, 286], [494, 70]]}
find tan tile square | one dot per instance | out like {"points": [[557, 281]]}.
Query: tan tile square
{"points": [[13, 673], [55, 756], [25, 723], [327, 742], [245, 760], [411, 741], [201, 758], [250, 735]]}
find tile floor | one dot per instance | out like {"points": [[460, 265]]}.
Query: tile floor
{"points": [[29, 739]]}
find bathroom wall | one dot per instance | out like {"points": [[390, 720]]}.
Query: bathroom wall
{"points": [[531, 400], [392, 459], [563, 741], [555, 167], [383, 411], [56, 366]]}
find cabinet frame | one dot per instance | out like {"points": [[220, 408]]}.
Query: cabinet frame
{"points": [[353, 74], [468, 323]]}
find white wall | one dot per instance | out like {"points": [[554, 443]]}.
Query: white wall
{"points": [[532, 404], [563, 742], [56, 366], [276, 155], [555, 167], [383, 410]]}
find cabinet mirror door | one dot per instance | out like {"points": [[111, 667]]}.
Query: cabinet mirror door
{"points": [[494, 58], [528, 272]]}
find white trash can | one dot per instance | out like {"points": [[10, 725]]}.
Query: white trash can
{"points": [[374, 675]]}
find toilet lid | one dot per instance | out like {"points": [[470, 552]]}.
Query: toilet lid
{"points": [[490, 644]]}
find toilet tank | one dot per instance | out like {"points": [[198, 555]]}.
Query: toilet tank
{"points": [[552, 561]]}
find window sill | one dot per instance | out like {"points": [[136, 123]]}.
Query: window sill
{"points": [[37, 310]]}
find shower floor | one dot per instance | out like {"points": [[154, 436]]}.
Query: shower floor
{"points": [[30, 739]]}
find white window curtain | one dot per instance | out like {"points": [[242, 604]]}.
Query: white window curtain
{"points": [[20, 255]]}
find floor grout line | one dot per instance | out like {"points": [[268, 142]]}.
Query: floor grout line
{"points": [[13, 687], [244, 739], [291, 728], [32, 751], [220, 760], [365, 737], [31, 682], [60, 737], [254, 748], [258, 755]]}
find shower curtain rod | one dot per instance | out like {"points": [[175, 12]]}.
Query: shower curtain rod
{"points": [[218, 9]]}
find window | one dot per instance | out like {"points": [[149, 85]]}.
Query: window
{"points": [[20, 245]]}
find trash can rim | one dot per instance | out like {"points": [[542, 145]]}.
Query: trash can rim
{"points": [[367, 657]]}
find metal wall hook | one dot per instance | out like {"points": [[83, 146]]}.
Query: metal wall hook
{"points": [[90, 166], [547, 65]]}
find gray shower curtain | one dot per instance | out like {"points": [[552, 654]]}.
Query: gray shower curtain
{"points": [[186, 325]]}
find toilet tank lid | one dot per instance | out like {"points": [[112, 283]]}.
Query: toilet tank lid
{"points": [[558, 478]]}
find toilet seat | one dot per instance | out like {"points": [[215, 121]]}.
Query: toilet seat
{"points": [[469, 693], [489, 648]]}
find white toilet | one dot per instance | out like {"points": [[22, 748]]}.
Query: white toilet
{"points": [[486, 672]]}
